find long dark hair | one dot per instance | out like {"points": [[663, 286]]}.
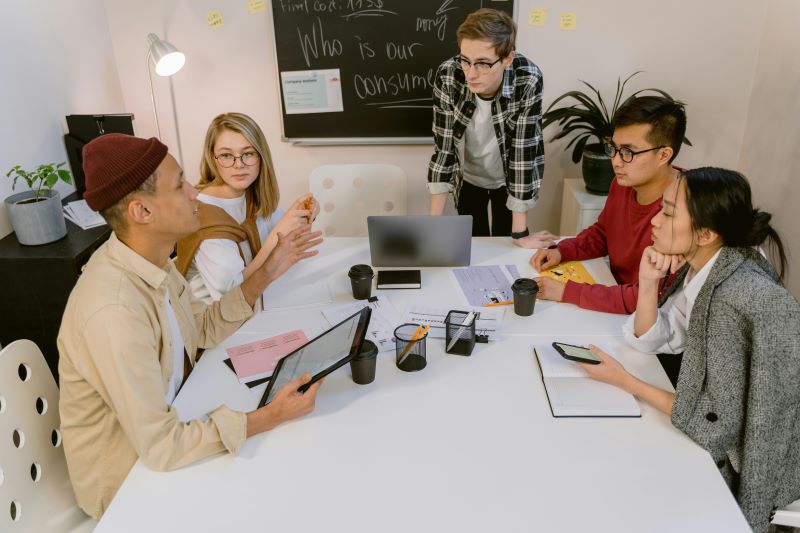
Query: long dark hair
{"points": [[720, 200]]}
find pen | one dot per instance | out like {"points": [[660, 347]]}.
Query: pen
{"points": [[460, 331], [419, 333], [494, 304]]}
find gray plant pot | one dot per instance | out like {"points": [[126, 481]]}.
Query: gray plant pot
{"points": [[36, 222]]}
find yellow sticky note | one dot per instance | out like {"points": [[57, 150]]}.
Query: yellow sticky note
{"points": [[568, 21], [256, 6], [537, 16], [214, 19]]}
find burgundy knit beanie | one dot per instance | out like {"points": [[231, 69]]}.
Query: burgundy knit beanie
{"points": [[116, 164]]}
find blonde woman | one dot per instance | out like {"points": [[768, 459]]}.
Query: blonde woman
{"points": [[239, 214]]}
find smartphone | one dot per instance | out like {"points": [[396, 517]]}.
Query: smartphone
{"points": [[576, 353]]}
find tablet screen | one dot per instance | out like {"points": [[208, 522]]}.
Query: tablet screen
{"points": [[326, 352]]}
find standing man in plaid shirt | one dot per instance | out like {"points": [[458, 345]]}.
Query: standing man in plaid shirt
{"points": [[487, 125]]}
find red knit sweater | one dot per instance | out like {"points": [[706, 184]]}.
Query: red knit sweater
{"points": [[622, 232]]}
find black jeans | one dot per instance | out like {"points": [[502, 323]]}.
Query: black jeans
{"points": [[473, 201]]}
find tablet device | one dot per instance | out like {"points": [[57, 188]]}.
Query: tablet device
{"points": [[321, 355]]}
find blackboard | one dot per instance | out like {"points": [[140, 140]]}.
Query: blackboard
{"points": [[387, 52]]}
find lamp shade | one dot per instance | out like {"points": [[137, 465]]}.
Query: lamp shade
{"points": [[165, 57]]}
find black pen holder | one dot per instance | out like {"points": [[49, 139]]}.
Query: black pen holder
{"points": [[459, 338]]}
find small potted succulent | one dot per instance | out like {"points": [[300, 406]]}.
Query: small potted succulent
{"points": [[587, 119], [36, 215]]}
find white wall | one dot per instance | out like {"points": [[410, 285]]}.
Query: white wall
{"points": [[56, 60], [702, 52], [770, 155]]}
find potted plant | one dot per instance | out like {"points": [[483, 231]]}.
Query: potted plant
{"points": [[587, 118], [36, 215]]}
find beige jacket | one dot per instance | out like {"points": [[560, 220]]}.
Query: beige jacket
{"points": [[116, 359]]}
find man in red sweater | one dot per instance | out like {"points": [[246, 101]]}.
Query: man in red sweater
{"points": [[648, 132]]}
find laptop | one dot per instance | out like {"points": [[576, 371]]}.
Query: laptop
{"points": [[321, 355], [425, 241]]}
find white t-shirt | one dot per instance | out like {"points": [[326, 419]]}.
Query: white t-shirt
{"points": [[217, 266], [178, 348], [668, 334], [482, 164]]}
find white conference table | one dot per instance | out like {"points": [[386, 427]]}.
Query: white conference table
{"points": [[467, 444]]}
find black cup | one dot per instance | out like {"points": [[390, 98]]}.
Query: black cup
{"points": [[525, 291], [363, 364], [361, 281]]}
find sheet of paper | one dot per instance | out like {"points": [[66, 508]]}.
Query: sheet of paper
{"points": [[290, 294], [256, 360], [537, 16], [214, 18], [488, 319], [312, 91], [486, 284], [82, 215], [382, 323], [568, 21], [570, 271]]}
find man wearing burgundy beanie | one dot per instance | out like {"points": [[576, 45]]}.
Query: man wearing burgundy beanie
{"points": [[131, 328]]}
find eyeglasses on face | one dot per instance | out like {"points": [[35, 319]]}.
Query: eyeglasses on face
{"points": [[626, 154], [227, 160], [481, 67]]}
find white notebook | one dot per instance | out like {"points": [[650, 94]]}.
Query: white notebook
{"points": [[571, 392]]}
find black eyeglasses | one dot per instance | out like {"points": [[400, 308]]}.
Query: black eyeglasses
{"points": [[481, 67], [626, 154], [227, 160]]}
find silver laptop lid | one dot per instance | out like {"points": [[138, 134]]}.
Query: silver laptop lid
{"points": [[403, 241]]}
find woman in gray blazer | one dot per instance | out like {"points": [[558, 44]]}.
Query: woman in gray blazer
{"points": [[738, 391]]}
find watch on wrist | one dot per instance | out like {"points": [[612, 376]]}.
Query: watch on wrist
{"points": [[520, 234]]}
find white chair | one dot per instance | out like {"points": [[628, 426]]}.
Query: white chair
{"points": [[788, 516], [347, 194], [35, 490]]}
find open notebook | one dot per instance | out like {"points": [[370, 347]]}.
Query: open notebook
{"points": [[571, 392]]}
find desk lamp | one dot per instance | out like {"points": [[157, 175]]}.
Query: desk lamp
{"points": [[167, 60]]}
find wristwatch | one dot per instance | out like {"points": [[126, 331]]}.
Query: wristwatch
{"points": [[520, 234]]}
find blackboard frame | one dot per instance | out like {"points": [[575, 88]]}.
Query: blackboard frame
{"points": [[356, 140]]}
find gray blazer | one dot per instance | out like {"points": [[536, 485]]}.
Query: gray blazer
{"points": [[738, 392]]}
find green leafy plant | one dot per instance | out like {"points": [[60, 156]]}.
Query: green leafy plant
{"points": [[588, 118], [43, 177]]}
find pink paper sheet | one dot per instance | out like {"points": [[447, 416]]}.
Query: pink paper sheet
{"points": [[258, 359]]}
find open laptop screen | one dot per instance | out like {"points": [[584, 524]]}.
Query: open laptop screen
{"points": [[404, 241]]}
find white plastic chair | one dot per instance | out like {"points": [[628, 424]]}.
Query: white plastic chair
{"points": [[35, 490], [347, 194], [788, 516]]}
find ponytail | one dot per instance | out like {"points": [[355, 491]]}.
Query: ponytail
{"points": [[761, 231]]}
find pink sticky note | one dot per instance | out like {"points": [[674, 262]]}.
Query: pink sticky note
{"points": [[258, 359]]}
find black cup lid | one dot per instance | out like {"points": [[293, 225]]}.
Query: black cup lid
{"points": [[368, 350], [360, 271], [525, 286]]}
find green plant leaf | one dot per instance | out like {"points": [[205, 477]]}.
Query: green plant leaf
{"points": [[50, 180], [65, 176], [602, 106], [577, 152]]}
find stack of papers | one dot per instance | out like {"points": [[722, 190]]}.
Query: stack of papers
{"points": [[257, 360], [487, 319], [81, 214], [483, 285], [382, 324]]}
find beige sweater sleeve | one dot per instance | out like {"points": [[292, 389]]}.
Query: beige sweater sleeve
{"points": [[129, 377]]}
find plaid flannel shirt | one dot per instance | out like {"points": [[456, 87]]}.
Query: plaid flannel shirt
{"points": [[517, 118]]}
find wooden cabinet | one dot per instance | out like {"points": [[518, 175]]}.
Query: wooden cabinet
{"points": [[35, 282]]}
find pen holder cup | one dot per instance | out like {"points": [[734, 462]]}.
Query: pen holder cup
{"points": [[410, 350], [459, 338]]}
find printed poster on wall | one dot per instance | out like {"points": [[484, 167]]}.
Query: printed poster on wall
{"points": [[312, 91]]}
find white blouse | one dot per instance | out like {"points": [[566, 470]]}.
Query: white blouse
{"points": [[217, 266], [668, 334]]}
